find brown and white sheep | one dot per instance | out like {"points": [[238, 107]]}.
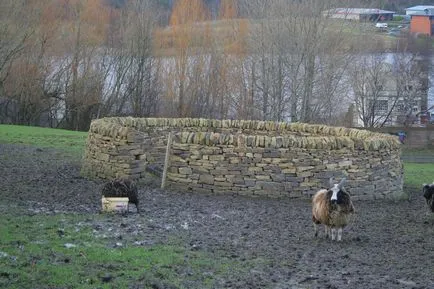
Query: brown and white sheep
{"points": [[332, 208]]}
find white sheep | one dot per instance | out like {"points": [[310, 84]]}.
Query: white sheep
{"points": [[332, 208]]}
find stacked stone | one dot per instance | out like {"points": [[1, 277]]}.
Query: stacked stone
{"points": [[280, 167], [255, 158], [114, 151]]}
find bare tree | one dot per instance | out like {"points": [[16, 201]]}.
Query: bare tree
{"points": [[73, 61], [330, 87], [79, 69], [143, 87], [298, 60], [370, 77], [26, 69], [411, 81], [187, 34], [14, 33]]}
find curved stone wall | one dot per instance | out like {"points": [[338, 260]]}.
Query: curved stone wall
{"points": [[254, 158]]}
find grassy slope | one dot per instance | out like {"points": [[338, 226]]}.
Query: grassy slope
{"points": [[32, 248], [69, 141]]}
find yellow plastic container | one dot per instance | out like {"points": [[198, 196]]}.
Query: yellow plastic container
{"points": [[114, 204]]}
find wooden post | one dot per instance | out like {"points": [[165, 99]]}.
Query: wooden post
{"points": [[166, 160]]}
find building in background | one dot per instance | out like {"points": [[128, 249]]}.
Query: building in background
{"points": [[393, 99], [419, 10], [360, 14], [422, 19], [392, 110]]}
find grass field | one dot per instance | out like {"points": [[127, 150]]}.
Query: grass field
{"points": [[63, 251], [68, 141], [415, 174]]}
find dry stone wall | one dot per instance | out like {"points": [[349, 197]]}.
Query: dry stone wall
{"points": [[253, 158]]}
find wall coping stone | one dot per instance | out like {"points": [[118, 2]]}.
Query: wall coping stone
{"points": [[284, 134]]}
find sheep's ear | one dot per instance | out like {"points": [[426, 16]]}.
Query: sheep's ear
{"points": [[342, 183]]}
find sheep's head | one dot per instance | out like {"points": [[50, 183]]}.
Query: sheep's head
{"points": [[335, 188], [428, 190]]}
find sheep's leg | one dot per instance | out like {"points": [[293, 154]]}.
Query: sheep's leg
{"points": [[315, 227], [327, 231], [340, 234], [333, 234]]}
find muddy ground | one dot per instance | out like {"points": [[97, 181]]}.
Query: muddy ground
{"points": [[388, 245]]}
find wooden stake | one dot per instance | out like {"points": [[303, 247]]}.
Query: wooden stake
{"points": [[166, 160]]}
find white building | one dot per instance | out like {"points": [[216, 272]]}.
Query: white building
{"points": [[420, 10], [393, 110]]}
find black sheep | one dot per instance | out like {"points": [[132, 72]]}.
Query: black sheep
{"points": [[121, 188], [428, 194]]}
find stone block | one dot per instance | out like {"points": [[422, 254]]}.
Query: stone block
{"points": [[219, 171], [178, 179], [293, 179], [263, 177], [278, 177], [270, 186], [310, 185], [222, 184], [136, 152], [234, 160], [272, 154], [249, 182], [216, 158], [346, 163], [103, 157], [134, 171], [185, 171], [201, 190], [289, 170], [206, 179], [304, 174], [254, 169], [302, 168]]}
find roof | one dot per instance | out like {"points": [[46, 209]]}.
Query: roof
{"points": [[420, 10], [360, 11], [420, 7]]}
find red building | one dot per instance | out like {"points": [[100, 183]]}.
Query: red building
{"points": [[422, 19]]}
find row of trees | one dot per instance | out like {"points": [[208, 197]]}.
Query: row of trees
{"points": [[66, 62]]}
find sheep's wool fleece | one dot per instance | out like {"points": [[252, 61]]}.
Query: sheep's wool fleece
{"points": [[333, 215], [121, 188]]}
